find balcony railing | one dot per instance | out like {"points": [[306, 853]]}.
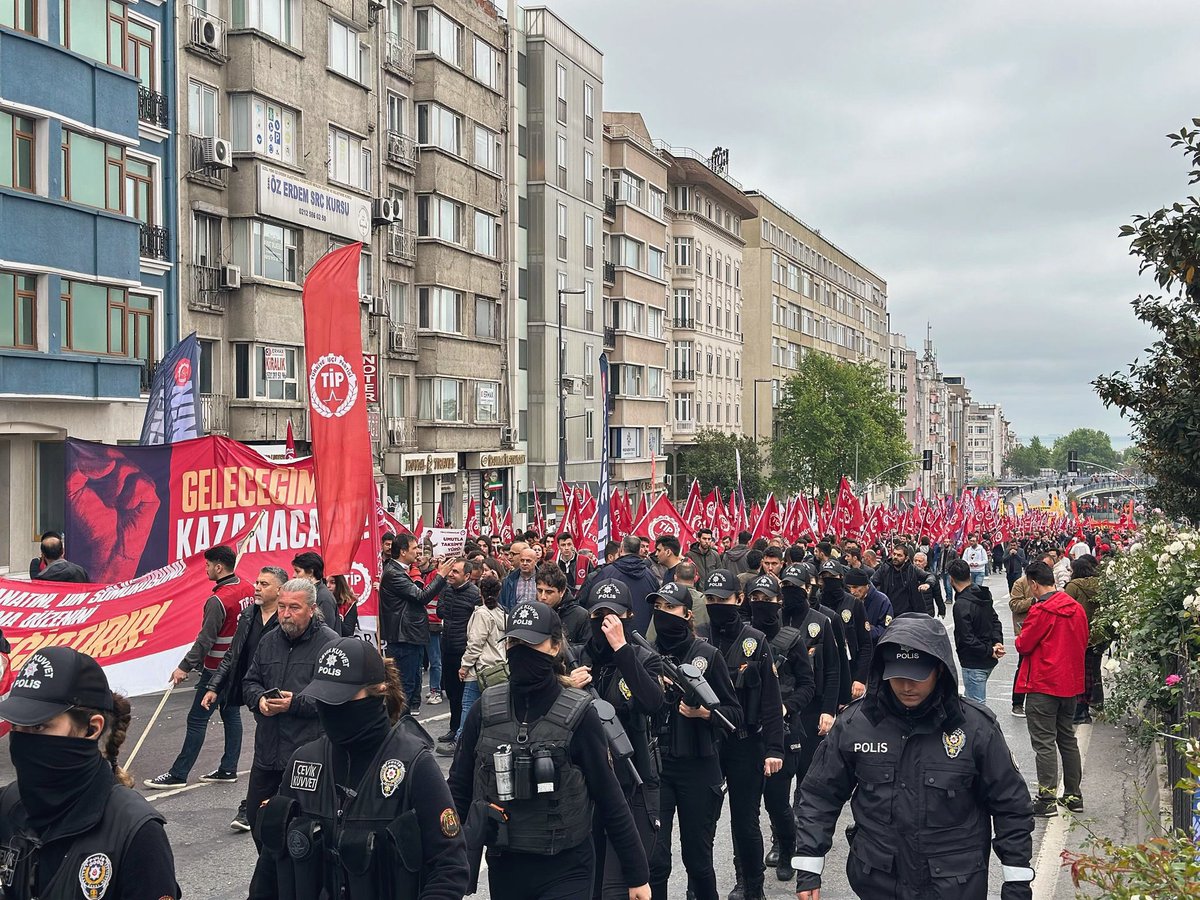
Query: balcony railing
{"points": [[199, 169], [154, 241], [152, 106], [207, 295], [402, 339], [401, 431], [148, 368], [610, 273], [610, 206], [688, 427], [402, 245], [401, 149], [401, 57], [684, 375], [214, 413], [610, 337], [683, 322]]}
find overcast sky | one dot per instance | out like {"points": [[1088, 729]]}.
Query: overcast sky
{"points": [[979, 156]]}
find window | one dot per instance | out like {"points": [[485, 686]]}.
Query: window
{"points": [[629, 188], [589, 188], [264, 127], [17, 150], [487, 64], [349, 159], [589, 306], [439, 35], [589, 242], [18, 310], [589, 370], [487, 318], [627, 252], [589, 111], [348, 55], [439, 127], [438, 217], [440, 399], [206, 240], [20, 14], [654, 383], [397, 298], [683, 251], [561, 87], [656, 262], [265, 372], [654, 441], [625, 443], [654, 324], [93, 172], [487, 402], [278, 18], [487, 149], [633, 316], [202, 109], [51, 486], [486, 234], [93, 28], [440, 309], [658, 201], [683, 197], [683, 407], [683, 306], [95, 318], [589, 434], [562, 231], [139, 190], [561, 145], [265, 250]]}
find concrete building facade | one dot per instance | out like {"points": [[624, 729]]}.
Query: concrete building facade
{"points": [[986, 442], [88, 286]]}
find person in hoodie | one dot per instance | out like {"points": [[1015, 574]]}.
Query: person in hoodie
{"points": [[552, 590], [930, 781], [978, 635], [735, 557], [633, 571], [704, 554], [455, 604]]}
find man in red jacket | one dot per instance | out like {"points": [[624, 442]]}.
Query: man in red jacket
{"points": [[1052, 643]]}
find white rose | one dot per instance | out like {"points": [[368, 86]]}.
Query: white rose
{"points": [[1112, 666], [1175, 548]]}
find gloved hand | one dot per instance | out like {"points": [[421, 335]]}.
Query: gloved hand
{"points": [[809, 881], [1017, 890]]}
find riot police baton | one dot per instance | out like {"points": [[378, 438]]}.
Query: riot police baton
{"points": [[697, 692], [619, 744]]}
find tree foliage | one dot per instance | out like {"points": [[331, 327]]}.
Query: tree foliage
{"points": [[713, 460], [1160, 395], [826, 410], [1028, 460], [1092, 445]]}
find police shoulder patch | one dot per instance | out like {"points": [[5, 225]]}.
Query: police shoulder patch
{"points": [[887, 620], [449, 823], [954, 742], [95, 873], [305, 775], [700, 663], [846, 616], [391, 773], [813, 629], [624, 689], [749, 645]]}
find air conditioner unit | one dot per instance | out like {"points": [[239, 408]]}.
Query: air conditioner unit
{"points": [[377, 307], [508, 436], [231, 278], [206, 33], [376, 5], [384, 211], [216, 153]]}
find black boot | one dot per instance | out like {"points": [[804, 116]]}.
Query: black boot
{"points": [[739, 890], [772, 855], [783, 869]]}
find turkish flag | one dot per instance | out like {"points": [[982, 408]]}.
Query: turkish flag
{"points": [[341, 439]]}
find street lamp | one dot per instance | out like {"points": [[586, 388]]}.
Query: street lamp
{"points": [[757, 382], [562, 392]]}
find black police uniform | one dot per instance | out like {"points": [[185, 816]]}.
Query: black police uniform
{"points": [[691, 773], [858, 634], [928, 788], [838, 627]]}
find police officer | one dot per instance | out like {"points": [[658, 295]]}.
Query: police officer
{"points": [[531, 765], [629, 676], [364, 805], [854, 619], [756, 750], [818, 594], [689, 739], [71, 822], [932, 781]]}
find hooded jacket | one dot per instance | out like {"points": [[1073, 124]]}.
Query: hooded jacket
{"points": [[977, 628], [1052, 643], [928, 788], [1085, 591], [635, 574], [735, 559], [705, 560]]}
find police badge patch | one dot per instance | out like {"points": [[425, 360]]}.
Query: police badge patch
{"points": [[700, 663], [94, 875], [954, 743], [846, 616], [391, 773], [449, 823], [813, 629], [624, 689], [887, 620], [749, 645]]}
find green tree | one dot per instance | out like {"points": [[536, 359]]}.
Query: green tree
{"points": [[1028, 460], [827, 410], [1091, 444], [713, 461], [1160, 393]]}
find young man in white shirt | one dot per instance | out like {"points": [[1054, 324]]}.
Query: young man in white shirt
{"points": [[976, 559]]}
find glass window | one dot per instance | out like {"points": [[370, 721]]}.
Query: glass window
{"points": [[487, 149], [486, 234], [94, 318], [629, 188], [278, 18], [202, 109], [654, 382], [440, 309], [656, 261], [589, 112], [589, 306], [265, 250], [439, 35], [206, 240], [683, 251], [21, 15], [273, 376], [94, 28], [487, 317], [440, 399], [487, 64], [627, 252], [347, 53], [562, 231], [93, 172], [51, 486], [140, 56], [654, 327], [657, 202], [139, 190], [589, 164], [561, 156], [487, 402], [439, 217], [439, 127], [589, 242], [349, 159], [633, 316], [18, 310], [17, 150], [561, 88], [264, 127]]}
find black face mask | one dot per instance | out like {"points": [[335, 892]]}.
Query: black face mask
{"points": [[529, 669], [55, 773], [670, 630], [765, 615], [831, 592], [599, 638], [723, 615], [795, 598], [350, 722]]}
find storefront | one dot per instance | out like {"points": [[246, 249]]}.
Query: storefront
{"points": [[419, 483], [490, 476]]}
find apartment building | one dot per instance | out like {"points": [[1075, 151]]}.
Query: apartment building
{"points": [[987, 441], [958, 402], [902, 384], [802, 293], [636, 277], [706, 207], [87, 283]]}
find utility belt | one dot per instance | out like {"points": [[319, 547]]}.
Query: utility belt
{"points": [[747, 732]]}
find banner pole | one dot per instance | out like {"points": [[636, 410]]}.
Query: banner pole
{"points": [[149, 725]]}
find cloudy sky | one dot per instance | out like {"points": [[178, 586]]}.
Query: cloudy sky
{"points": [[979, 156]]}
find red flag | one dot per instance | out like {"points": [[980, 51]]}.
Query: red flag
{"points": [[289, 447], [539, 518], [439, 520], [494, 518], [508, 534], [341, 439], [770, 520], [693, 509], [641, 511], [419, 529], [662, 518], [472, 523]]}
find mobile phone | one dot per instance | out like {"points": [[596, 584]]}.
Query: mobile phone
{"points": [[273, 694]]}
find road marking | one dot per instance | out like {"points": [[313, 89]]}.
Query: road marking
{"points": [[162, 795], [1048, 865]]}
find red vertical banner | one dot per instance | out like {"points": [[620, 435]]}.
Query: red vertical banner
{"points": [[338, 430]]}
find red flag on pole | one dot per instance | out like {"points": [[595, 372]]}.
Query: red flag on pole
{"points": [[472, 523], [289, 447], [508, 534], [662, 518], [693, 509], [338, 430], [439, 520]]}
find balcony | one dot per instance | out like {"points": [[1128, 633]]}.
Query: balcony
{"points": [[402, 339], [400, 57], [152, 107], [401, 246], [206, 290], [684, 374], [217, 176], [688, 427], [214, 413], [148, 369], [610, 337], [610, 273], [683, 322], [610, 207], [154, 242], [401, 432], [401, 150]]}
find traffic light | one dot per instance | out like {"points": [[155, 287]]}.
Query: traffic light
{"points": [[927, 461], [1073, 462]]}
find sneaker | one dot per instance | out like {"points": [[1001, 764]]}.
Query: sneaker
{"points": [[220, 776], [1073, 802], [240, 822], [1045, 807], [434, 698], [1019, 712], [165, 781], [446, 749]]}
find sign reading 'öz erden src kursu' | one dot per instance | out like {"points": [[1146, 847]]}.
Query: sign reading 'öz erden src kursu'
{"points": [[281, 195]]}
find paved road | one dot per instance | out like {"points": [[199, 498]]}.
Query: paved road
{"points": [[214, 862]]}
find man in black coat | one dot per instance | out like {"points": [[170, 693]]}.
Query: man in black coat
{"points": [[403, 619], [633, 571], [455, 604], [57, 568], [978, 635], [900, 580]]}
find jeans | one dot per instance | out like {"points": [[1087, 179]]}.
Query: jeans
{"points": [[470, 694], [1051, 723], [978, 577], [947, 589], [975, 682], [407, 658], [434, 649], [197, 725]]}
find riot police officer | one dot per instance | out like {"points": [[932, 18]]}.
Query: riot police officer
{"points": [[629, 676], [854, 619], [364, 805], [71, 821], [818, 594], [755, 751], [689, 739], [531, 765]]}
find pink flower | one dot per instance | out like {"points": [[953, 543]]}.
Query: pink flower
{"points": [[1173, 680]]}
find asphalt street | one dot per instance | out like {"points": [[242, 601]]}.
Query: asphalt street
{"points": [[214, 862]]}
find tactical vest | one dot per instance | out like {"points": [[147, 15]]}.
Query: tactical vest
{"points": [[91, 862], [783, 645], [611, 686], [368, 847], [679, 736], [814, 624], [747, 680], [235, 595], [542, 823]]}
